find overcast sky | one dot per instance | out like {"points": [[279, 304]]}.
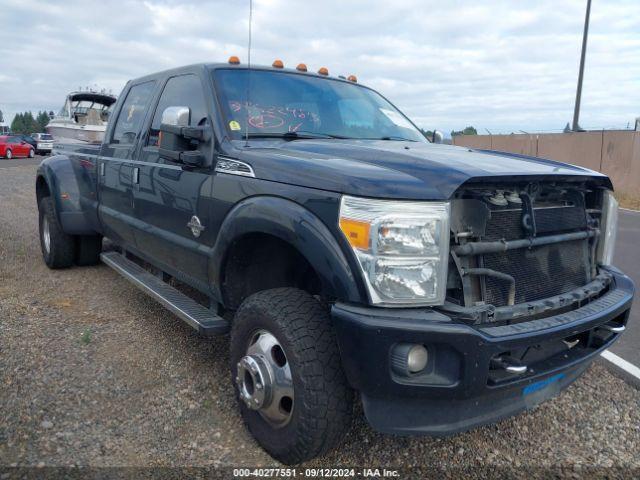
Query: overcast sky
{"points": [[500, 65]]}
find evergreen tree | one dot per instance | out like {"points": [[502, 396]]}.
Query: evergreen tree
{"points": [[42, 120], [25, 122], [17, 124]]}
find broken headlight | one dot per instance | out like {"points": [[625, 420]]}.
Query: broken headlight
{"points": [[402, 248]]}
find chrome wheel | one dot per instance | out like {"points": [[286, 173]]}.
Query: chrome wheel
{"points": [[264, 379], [46, 234], [8, 154]]}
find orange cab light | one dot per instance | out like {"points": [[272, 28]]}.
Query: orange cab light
{"points": [[323, 71], [357, 232], [352, 78], [277, 64], [233, 60], [301, 67]]}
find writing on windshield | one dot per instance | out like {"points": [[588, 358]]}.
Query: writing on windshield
{"points": [[279, 103], [279, 118]]}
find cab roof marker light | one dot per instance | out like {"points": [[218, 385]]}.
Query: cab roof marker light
{"points": [[301, 67], [233, 60], [277, 63], [352, 78], [323, 71]]}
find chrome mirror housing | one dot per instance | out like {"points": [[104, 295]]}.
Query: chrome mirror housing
{"points": [[176, 116]]}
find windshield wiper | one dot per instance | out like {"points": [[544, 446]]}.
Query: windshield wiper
{"points": [[401, 139], [294, 135]]}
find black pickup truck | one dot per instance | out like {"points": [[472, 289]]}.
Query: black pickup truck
{"points": [[342, 251]]}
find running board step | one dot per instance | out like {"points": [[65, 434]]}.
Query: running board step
{"points": [[197, 316]]}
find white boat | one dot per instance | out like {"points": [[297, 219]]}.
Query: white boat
{"points": [[83, 117]]}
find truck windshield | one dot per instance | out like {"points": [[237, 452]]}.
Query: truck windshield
{"points": [[290, 106]]}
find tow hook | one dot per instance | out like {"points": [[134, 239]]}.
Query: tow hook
{"points": [[570, 343], [613, 328], [507, 363]]}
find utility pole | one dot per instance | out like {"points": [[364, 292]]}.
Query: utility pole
{"points": [[576, 111]]}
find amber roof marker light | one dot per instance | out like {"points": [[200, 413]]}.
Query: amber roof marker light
{"points": [[323, 71], [277, 64], [233, 60], [301, 67], [352, 78]]}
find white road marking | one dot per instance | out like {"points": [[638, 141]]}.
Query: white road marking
{"points": [[629, 210], [620, 362]]}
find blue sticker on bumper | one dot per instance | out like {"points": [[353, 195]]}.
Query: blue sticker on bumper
{"points": [[534, 387]]}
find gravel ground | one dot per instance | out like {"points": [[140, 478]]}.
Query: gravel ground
{"points": [[94, 373]]}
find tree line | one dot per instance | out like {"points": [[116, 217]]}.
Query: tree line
{"points": [[26, 123], [466, 131]]}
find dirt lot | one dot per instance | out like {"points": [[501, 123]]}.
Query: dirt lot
{"points": [[94, 373]]}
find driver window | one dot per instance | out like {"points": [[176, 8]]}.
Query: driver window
{"points": [[181, 91]]}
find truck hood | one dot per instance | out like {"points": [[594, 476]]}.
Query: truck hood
{"points": [[394, 169]]}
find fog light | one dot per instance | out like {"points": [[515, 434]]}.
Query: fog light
{"points": [[408, 358]]}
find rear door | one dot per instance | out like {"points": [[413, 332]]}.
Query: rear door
{"points": [[169, 195], [115, 167]]}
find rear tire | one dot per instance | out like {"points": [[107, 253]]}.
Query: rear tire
{"points": [[58, 248], [320, 406], [88, 250], [8, 154]]}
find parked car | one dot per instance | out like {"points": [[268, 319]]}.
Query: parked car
{"points": [[342, 251], [27, 138], [14, 146], [44, 143]]}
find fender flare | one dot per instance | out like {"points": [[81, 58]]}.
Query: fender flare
{"points": [[59, 175], [295, 225]]}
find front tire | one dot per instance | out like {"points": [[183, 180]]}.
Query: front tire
{"points": [[287, 330], [58, 248], [32, 153], [8, 154]]}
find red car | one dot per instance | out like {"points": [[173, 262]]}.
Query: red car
{"points": [[13, 146]]}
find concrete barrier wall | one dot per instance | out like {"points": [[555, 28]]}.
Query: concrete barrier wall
{"points": [[584, 148], [614, 153]]}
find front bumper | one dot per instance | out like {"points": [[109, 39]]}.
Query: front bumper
{"points": [[460, 387]]}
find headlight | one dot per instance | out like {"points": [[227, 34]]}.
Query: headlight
{"points": [[402, 248], [608, 229]]}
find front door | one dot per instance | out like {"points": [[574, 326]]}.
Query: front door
{"points": [[17, 146], [172, 201], [115, 167]]}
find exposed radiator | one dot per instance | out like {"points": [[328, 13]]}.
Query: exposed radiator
{"points": [[539, 272]]}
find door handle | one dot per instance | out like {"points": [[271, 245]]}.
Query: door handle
{"points": [[136, 175]]}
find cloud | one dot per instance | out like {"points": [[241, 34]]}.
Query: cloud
{"points": [[500, 65]]}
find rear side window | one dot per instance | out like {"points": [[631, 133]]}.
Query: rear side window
{"points": [[132, 113], [181, 91]]}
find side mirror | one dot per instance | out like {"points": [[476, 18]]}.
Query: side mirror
{"points": [[437, 137], [177, 138], [176, 116]]}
